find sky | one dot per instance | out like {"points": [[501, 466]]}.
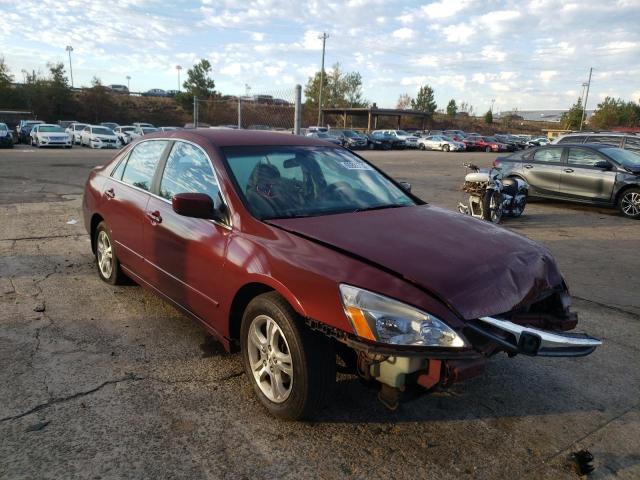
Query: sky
{"points": [[528, 54]]}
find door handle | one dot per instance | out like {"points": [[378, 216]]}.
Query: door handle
{"points": [[110, 193], [528, 166], [155, 216], [568, 170]]}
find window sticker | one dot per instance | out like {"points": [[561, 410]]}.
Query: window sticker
{"points": [[355, 165]]}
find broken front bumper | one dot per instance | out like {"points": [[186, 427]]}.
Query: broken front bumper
{"points": [[533, 341]]}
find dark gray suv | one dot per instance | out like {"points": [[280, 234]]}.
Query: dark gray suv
{"points": [[589, 173], [628, 141]]}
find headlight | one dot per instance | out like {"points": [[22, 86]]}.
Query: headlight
{"points": [[382, 319], [93, 139]]}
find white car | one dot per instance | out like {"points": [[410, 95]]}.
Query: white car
{"points": [[440, 142], [144, 125], [124, 133], [48, 135], [74, 130], [411, 141], [140, 131], [97, 136]]}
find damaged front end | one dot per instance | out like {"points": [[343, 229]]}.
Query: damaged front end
{"points": [[400, 347]]}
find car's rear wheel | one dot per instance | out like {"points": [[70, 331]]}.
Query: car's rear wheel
{"points": [[290, 367], [629, 203], [106, 259], [421, 146], [445, 148]]}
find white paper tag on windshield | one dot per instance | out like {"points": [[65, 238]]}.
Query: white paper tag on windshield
{"points": [[355, 165]]}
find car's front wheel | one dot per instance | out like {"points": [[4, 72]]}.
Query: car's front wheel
{"points": [[106, 259], [445, 147], [291, 368], [629, 203]]}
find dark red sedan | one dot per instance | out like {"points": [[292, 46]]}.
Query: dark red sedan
{"points": [[300, 252]]}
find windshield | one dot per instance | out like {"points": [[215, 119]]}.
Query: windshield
{"points": [[79, 126], [489, 139], [128, 129], [401, 132], [350, 134], [149, 130], [50, 129], [281, 182], [625, 158], [102, 131]]}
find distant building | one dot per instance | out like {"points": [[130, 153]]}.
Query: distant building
{"points": [[537, 115]]}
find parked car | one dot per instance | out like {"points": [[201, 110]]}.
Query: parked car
{"points": [[510, 144], [487, 144], [6, 137], [171, 129], [410, 141], [74, 131], [49, 135], [353, 140], [313, 129], [280, 245], [145, 125], [122, 89], [628, 141], [155, 92], [138, 132], [326, 137], [23, 130], [110, 125], [588, 173], [97, 136], [436, 132], [65, 123], [537, 142], [457, 135], [440, 142], [384, 141], [124, 133]]}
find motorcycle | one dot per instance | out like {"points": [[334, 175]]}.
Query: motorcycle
{"points": [[491, 196]]}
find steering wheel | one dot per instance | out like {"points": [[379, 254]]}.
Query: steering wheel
{"points": [[338, 189]]}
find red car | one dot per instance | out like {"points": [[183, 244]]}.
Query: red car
{"points": [[487, 144], [295, 250]]}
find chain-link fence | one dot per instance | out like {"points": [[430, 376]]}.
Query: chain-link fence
{"points": [[271, 110]]}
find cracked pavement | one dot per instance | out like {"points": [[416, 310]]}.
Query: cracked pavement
{"points": [[111, 382]]}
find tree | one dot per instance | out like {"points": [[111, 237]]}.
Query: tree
{"points": [[466, 108], [404, 101], [97, 101], [5, 75], [613, 112], [199, 82], [488, 117], [339, 89], [571, 120], [58, 91], [424, 101], [452, 108]]}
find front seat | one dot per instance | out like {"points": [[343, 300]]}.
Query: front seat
{"points": [[264, 190]]}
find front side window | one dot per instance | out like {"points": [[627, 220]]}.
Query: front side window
{"points": [[142, 164], [626, 158], [552, 155], [188, 170], [583, 156], [282, 182]]}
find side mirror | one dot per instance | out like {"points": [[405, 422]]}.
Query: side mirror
{"points": [[603, 164], [406, 186], [196, 205]]}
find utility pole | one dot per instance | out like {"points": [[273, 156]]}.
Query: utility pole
{"points": [[195, 112], [178, 68], [239, 114], [324, 37], [586, 99], [128, 80], [493, 100], [69, 49]]}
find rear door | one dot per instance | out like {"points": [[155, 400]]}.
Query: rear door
{"points": [[126, 193], [582, 179], [542, 170], [186, 255]]}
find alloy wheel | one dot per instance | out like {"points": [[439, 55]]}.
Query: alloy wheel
{"points": [[105, 254], [270, 358], [630, 204]]}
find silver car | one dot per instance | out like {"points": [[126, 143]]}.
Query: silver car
{"points": [[440, 142]]}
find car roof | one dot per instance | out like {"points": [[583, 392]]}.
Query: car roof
{"points": [[596, 146]]}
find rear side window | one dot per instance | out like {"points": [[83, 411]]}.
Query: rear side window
{"points": [[632, 144], [142, 164], [188, 170], [583, 156], [606, 140], [573, 139], [552, 155]]}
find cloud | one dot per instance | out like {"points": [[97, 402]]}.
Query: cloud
{"points": [[403, 33], [547, 75], [444, 8], [458, 33]]}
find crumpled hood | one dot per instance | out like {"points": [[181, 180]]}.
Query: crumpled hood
{"points": [[476, 267]]}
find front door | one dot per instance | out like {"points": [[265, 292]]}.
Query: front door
{"points": [[582, 179], [186, 255], [543, 169]]}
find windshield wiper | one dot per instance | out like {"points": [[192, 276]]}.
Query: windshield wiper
{"points": [[378, 207]]}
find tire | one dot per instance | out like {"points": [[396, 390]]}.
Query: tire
{"points": [[311, 358], [629, 203], [421, 146], [490, 211], [114, 274], [487, 149], [446, 148]]}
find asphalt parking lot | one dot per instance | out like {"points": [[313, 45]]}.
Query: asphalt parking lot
{"points": [[110, 382]]}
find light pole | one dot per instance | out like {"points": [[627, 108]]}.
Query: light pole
{"points": [[128, 79], [178, 68], [69, 49], [586, 98], [324, 37], [493, 100]]}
